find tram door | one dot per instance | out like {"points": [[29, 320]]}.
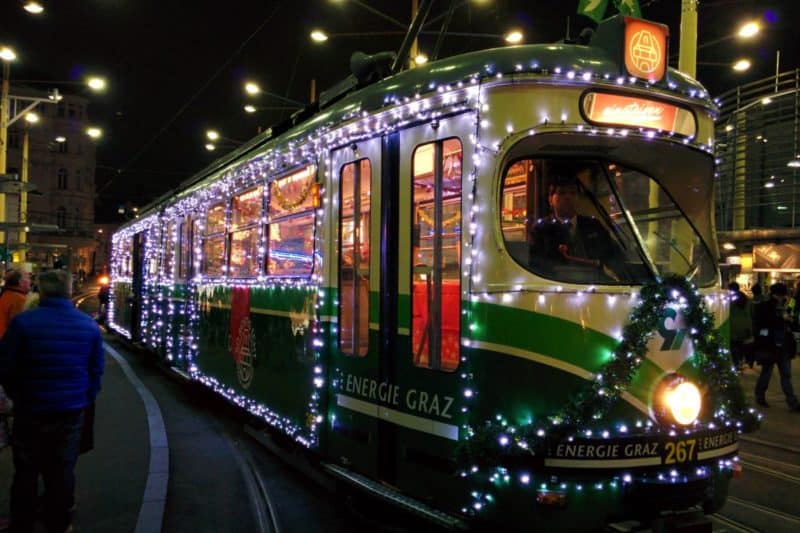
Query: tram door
{"points": [[355, 176]]}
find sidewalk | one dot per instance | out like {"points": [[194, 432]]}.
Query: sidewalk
{"points": [[111, 478], [779, 425]]}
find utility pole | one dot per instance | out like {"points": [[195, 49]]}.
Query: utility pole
{"points": [[687, 59], [4, 141]]}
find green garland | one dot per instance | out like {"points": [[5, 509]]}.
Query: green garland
{"points": [[496, 439]]}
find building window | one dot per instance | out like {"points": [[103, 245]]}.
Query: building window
{"points": [[61, 217], [62, 179], [62, 148], [78, 221], [61, 110], [78, 181]]}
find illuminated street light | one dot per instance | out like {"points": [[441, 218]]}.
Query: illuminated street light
{"points": [[250, 108], [61, 139], [94, 132], [742, 65], [34, 8], [729, 246], [514, 37], [319, 36], [7, 53], [96, 83], [794, 163], [31, 118], [421, 59], [749, 29], [212, 135], [252, 88], [210, 147]]}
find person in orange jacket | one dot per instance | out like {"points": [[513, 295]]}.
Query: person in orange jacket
{"points": [[12, 298]]}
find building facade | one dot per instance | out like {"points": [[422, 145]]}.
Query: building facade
{"points": [[61, 164], [758, 182]]}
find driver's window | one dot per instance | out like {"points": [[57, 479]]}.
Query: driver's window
{"points": [[562, 220]]}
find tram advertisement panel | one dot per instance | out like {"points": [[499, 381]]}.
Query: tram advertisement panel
{"points": [[641, 451]]}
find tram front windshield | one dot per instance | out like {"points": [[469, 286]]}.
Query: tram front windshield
{"points": [[597, 221]]}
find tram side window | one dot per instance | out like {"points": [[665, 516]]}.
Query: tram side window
{"points": [[292, 202], [436, 255], [169, 250], [354, 258], [214, 241], [185, 249], [245, 233], [124, 268], [563, 220]]}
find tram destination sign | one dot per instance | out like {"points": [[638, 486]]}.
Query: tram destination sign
{"points": [[610, 109], [642, 451]]}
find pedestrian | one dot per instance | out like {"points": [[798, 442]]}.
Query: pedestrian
{"points": [[775, 345], [758, 293], [741, 326], [51, 362], [13, 296]]}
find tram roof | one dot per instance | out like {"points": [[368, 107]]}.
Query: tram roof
{"points": [[554, 60]]}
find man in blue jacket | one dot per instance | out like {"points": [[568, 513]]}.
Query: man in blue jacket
{"points": [[51, 362]]}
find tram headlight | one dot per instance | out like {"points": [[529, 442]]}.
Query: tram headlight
{"points": [[678, 400]]}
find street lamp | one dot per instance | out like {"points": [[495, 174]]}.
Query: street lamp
{"points": [[212, 135], [749, 29], [319, 36], [514, 37], [252, 88], [96, 83], [94, 132], [34, 8], [742, 65]]}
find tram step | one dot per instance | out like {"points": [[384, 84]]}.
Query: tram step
{"points": [[409, 504]]}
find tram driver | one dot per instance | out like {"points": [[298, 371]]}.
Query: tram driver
{"points": [[569, 245]]}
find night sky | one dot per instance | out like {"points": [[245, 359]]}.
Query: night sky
{"points": [[176, 68]]}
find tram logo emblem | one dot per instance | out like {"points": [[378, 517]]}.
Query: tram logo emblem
{"points": [[244, 352], [242, 337], [671, 330], [645, 49]]}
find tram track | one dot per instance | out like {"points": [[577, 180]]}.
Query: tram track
{"points": [[728, 524], [264, 510], [774, 513]]}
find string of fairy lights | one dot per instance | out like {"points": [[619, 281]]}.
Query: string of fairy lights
{"points": [[313, 147]]}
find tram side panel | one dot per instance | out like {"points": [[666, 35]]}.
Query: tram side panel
{"points": [[257, 344]]}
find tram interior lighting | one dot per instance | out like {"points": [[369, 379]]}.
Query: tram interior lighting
{"points": [[550, 498]]}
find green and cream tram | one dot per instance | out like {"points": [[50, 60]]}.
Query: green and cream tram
{"points": [[369, 280]]}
